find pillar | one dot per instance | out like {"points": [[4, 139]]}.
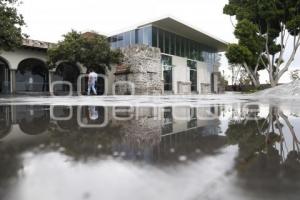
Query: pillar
{"points": [[13, 81], [50, 74]]}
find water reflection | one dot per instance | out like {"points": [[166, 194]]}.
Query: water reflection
{"points": [[268, 157], [243, 147], [33, 120], [132, 130], [5, 121]]}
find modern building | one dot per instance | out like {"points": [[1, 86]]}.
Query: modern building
{"points": [[189, 58], [161, 57]]}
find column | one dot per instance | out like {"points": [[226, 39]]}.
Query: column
{"points": [[50, 82], [12, 81]]}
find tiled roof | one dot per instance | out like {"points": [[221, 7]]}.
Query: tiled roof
{"points": [[36, 44]]}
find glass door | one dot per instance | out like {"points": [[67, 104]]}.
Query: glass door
{"points": [[167, 72], [193, 74]]}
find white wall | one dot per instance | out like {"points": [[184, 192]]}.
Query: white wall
{"points": [[204, 77], [111, 79], [15, 57], [180, 72], [181, 117]]}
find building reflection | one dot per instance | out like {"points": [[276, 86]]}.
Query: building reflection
{"points": [[64, 118], [268, 144], [33, 120], [143, 133], [5, 121]]}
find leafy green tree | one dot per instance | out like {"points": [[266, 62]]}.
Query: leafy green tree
{"points": [[90, 49], [263, 30], [10, 25]]}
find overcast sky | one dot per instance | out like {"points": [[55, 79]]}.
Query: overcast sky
{"points": [[48, 20]]}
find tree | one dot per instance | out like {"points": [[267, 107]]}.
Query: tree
{"points": [[10, 26], [90, 49], [263, 30], [244, 78], [235, 71]]}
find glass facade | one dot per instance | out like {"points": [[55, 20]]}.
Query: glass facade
{"points": [[168, 42], [138, 36]]}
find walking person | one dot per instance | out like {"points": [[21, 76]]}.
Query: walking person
{"points": [[92, 82]]}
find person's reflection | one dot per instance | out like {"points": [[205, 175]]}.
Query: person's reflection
{"points": [[93, 113]]}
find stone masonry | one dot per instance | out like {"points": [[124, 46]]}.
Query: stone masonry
{"points": [[140, 73]]}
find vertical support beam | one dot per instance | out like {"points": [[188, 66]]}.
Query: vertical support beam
{"points": [[106, 85], [13, 81], [50, 74], [13, 114], [83, 84], [215, 81]]}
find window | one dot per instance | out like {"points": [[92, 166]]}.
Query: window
{"points": [[126, 39], [113, 42], [167, 43], [147, 35], [173, 44], [161, 41], [168, 121], [132, 37], [185, 47], [193, 74], [140, 36], [120, 39], [136, 33], [178, 46], [154, 37], [167, 72], [189, 48], [193, 118], [166, 60]]}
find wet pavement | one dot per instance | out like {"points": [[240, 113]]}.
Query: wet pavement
{"points": [[171, 149]]}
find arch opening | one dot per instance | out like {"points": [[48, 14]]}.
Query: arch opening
{"points": [[33, 120], [4, 77], [32, 76], [66, 72]]}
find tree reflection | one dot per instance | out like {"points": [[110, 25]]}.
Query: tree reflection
{"points": [[268, 155]]}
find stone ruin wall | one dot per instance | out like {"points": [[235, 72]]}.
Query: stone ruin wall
{"points": [[143, 126], [142, 67]]}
